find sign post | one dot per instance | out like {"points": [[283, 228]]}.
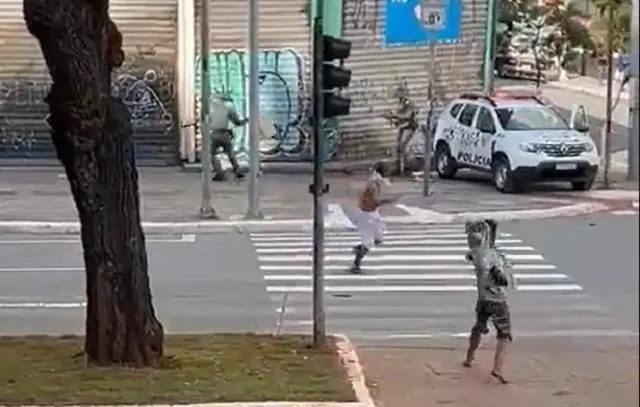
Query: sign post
{"points": [[434, 19]]}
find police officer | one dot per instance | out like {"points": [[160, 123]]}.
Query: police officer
{"points": [[223, 112]]}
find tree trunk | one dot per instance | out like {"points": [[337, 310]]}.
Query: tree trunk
{"points": [[92, 134]]}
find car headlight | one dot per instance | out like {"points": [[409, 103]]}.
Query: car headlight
{"points": [[589, 147], [530, 148]]}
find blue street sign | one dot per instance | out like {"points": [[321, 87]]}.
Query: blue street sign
{"points": [[417, 22]]}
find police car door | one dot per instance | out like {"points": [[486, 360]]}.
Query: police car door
{"points": [[466, 136], [486, 126]]}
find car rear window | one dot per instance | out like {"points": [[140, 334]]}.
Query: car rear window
{"points": [[523, 118]]}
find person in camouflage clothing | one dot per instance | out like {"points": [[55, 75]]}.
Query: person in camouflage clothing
{"points": [[493, 277]]}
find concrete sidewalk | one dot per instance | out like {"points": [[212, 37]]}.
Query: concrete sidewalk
{"points": [[40, 202], [586, 84], [549, 373], [173, 195]]}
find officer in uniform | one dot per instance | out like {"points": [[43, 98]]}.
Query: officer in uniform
{"points": [[221, 115]]}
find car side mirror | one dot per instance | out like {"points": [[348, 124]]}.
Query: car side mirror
{"points": [[582, 128]]}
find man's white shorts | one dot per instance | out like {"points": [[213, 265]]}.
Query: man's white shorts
{"points": [[370, 227]]}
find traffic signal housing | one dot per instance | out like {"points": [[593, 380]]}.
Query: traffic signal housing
{"points": [[334, 76]]}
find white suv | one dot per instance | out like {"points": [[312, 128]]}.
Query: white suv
{"points": [[518, 138]]}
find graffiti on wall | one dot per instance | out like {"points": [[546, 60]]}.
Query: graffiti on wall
{"points": [[148, 95], [283, 100], [25, 134]]}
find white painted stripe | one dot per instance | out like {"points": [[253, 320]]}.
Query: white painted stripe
{"points": [[337, 218], [189, 237], [382, 249], [583, 333], [403, 267], [391, 234], [416, 288], [355, 240], [549, 287], [185, 238], [541, 309], [458, 231], [40, 305], [390, 257], [329, 238], [38, 269], [625, 212], [439, 276]]}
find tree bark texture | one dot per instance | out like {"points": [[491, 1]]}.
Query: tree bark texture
{"points": [[92, 134]]}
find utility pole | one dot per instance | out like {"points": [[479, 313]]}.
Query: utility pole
{"points": [[490, 46], [253, 210], [428, 136], [634, 98], [206, 209], [326, 78], [609, 111]]}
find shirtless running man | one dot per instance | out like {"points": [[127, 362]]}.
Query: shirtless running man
{"points": [[368, 220]]}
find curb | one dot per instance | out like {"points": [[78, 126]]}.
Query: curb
{"points": [[425, 216], [251, 404], [350, 360], [416, 216], [210, 226]]}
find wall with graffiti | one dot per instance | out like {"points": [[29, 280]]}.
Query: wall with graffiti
{"points": [[148, 93], [146, 83], [283, 98]]}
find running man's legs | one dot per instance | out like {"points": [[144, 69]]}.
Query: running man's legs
{"points": [[369, 227]]}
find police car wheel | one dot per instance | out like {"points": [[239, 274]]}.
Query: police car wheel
{"points": [[445, 164], [582, 185], [502, 176]]}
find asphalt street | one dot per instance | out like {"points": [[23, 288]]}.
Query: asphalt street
{"points": [[576, 278], [417, 287], [200, 284], [598, 251], [564, 99]]}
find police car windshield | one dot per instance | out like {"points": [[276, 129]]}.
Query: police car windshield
{"points": [[526, 118]]}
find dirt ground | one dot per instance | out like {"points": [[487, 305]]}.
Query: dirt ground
{"points": [[549, 373]]}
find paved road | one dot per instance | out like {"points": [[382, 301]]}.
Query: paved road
{"points": [[417, 287], [209, 284], [596, 107], [600, 251]]}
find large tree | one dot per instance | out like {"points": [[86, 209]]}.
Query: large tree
{"points": [[92, 135]]}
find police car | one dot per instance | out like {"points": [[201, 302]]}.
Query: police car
{"points": [[518, 138]]}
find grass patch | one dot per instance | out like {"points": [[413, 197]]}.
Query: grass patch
{"points": [[198, 369]]}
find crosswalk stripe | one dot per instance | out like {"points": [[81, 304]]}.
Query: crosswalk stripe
{"points": [[382, 249], [453, 310], [624, 212], [373, 257], [355, 240], [438, 276], [405, 267], [457, 231], [417, 288], [302, 237]]}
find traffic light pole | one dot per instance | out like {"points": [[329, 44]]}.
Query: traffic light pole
{"points": [[318, 188]]}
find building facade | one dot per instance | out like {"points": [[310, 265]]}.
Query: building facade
{"points": [[161, 78]]}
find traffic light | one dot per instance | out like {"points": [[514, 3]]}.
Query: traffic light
{"points": [[331, 76], [334, 76]]}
